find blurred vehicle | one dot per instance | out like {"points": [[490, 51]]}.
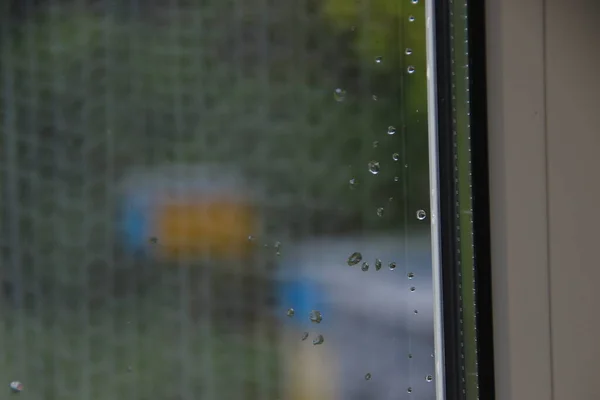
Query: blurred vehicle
{"points": [[193, 226], [193, 212], [377, 324]]}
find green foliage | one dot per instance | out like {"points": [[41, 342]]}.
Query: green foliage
{"points": [[95, 93], [186, 87]]}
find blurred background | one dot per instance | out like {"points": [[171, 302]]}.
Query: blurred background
{"points": [[183, 182]]}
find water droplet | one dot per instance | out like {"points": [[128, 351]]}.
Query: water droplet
{"points": [[395, 156], [409, 390], [391, 199], [410, 275], [377, 264], [396, 179], [374, 167], [410, 69], [304, 335], [16, 386], [429, 378], [277, 246], [391, 130], [415, 1], [412, 288], [250, 237], [365, 266], [316, 316], [410, 355], [318, 340], [153, 240], [392, 265], [380, 212], [374, 98], [290, 312], [354, 258], [421, 215], [408, 51], [432, 355], [411, 18], [339, 95], [353, 183], [416, 311], [375, 144], [368, 376], [378, 60]]}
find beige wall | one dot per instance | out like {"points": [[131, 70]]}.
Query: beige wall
{"points": [[544, 118]]}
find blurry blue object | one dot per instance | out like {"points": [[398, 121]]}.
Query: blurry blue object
{"points": [[135, 223], [303, 295]]}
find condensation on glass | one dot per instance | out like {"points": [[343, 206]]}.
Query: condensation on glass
{"points": [[222, 199]]}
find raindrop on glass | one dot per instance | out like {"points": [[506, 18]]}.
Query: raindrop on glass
{"points": [[305, 336], [392, 265], [408, 51], [153, 240], [290, 312], [396, 179], [412, 288], [415, 1], [378, 60], [368, 376], [375, 144], [339, 94], [410, 355], [316, 316], [353, 183], [391, 130], [277, 247], [16, 386], [318, 340], [374, 167], [416, 311], [365, 266], [374, 98], [395, 156], [377, 264], [409, 390], [250, 237], [429, 378], [421, 215], [411, 18], [410, 69], [380, 212], [354, 258], [410, 275]]}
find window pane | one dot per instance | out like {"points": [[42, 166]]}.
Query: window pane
{"points": [[218, 199]]}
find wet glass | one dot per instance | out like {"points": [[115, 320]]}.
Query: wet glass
{"points": [[222, 199]]}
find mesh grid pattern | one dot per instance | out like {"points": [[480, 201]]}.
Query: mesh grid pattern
{"points": [[106, 104]]}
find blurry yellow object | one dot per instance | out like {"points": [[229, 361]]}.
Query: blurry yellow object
{"points": [[215, 227], [311, 370]]}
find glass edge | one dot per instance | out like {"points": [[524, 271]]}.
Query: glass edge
{"points": [[434, 199]]}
